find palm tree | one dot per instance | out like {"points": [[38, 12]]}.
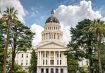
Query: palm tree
{"points": [[8, 17], [98, 27]]}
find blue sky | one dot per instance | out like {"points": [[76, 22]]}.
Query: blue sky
{"points": [[39, 10]]}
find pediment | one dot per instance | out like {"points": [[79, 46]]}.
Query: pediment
{"points": [[51, 45]]}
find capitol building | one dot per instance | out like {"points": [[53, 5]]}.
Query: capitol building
{"points": [[51, 58], [50, 51]]}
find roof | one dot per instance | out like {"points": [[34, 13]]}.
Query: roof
{"points": [[52, 18]]}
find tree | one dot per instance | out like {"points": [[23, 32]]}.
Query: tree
{"points": [[1, 53], [98, 27], [33, 62], [88, 36], [21, 39], [19, 36], [7, 17], [2, 27], [82, 42], [72, 62]]}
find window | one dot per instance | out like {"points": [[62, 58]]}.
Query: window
{"points": [[26, 62], [46, 62], [47, 70], [43, 54], [42, 70], [60, 62], [52, 62], [26, 55], [52, 71], [22, 55], [43, 62], [61, 70], [57, 55], [56, 70], [46, 54], [21, 62], [60, 54], [57, 62], [54, 36], [49, 36]]}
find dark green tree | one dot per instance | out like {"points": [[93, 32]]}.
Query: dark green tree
{"points": [[7, 18], [98, 27], [21, 39], [33, 62], [19, 36], [1, 54], [1, 45], [84, 36], [83, 39]]}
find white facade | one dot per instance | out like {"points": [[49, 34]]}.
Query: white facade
{"points": [[23, 59], [51, 58]]}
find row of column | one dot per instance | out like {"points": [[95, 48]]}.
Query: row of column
{"points": [[40, 57], [51, 36], [52, 28], [54, 70]]}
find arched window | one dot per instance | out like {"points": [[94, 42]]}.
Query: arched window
{"points": [[56, 70], [54, 36], [52, 70], [42, 70], [61, 71], [49, 36], [46, 62], [47, 70], [58, 36], [54, 28], [43, 62]]}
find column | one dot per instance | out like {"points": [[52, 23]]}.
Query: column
{"points": [[45, 57], [44, 70], [40, 57], [54, 59], [49, 58], [59, 57], [49, 70], [54, 70], [59, 70]]}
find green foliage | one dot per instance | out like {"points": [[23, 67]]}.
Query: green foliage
{"points": [[33, 62], [84, 41], [19, 36], [17, 68], [1, 54], [72, 62]]}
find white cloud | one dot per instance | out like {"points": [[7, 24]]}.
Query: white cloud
{"points": [[37, 29], [16, 4], [68, 17], [71, 14]]}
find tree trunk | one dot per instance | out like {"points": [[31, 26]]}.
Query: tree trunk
{"points": [[98, 38], [13, 53], [99, 59], [6, 46]]}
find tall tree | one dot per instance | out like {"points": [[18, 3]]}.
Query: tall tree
{"points": [[7, 17], [98, 27], [82, 39], [1, 53], [21, 39], [33, 62]]}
